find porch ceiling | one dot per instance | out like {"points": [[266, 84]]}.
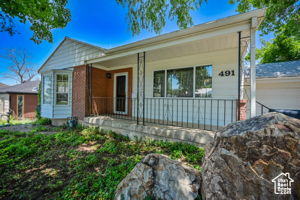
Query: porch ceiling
{"points": [[189, 48]]}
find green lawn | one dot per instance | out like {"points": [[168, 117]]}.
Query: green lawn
{"points": [[17, 122], [75, 164]]}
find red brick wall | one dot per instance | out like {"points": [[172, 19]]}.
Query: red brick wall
{"points": [[104, 87], [79, 92], [30, 104], [102, 91], [243, 109]]}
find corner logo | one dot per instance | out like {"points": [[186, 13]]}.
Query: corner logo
{"points": [[283, 184]]}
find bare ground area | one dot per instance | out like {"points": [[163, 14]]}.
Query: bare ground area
{"points": [[45, 162]]}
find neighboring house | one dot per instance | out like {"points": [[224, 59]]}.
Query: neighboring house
{"points": [[3, 85], [278, 85], [21, 100], [184, 78]]}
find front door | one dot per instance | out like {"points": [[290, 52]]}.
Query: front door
{"points": [[121, 93]]}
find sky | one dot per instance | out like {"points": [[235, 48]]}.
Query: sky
{"points": [[99, 22]]}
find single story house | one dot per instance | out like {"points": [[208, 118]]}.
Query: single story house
{"points": [[21, 100], [3, 85], [277, 86], [187, 78]]}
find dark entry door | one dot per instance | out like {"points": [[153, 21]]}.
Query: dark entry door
{"points": [[121, 93]]}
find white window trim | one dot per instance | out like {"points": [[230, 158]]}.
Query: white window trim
{"points": [[126, 92], [55, 87], [23, 105], [194, 81], [43, 89]]}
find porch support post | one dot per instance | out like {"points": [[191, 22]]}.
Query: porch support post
{"points": [[141, 58], [239, 76], [253, 66], [89, 74]]}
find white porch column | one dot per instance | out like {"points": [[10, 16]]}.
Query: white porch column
{"points": [[141, 87], [253, 67]]}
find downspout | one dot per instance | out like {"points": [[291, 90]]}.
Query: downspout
{"points": [[253, 66], [137, 91], [89, 81], [53, 93], [144, 54], [239, 76]]}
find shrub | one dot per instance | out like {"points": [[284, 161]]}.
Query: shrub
{"points": [[43, 121], [38, 111]]}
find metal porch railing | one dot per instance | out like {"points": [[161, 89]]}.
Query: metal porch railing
{"points": [[261, 108], [207, 114]]}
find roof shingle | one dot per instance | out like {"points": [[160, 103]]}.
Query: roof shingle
{"points": [[29, 87]]}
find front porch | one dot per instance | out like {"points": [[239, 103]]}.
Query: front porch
{"points": [[193, 84], [150, 131], [190, 79], [196, 113]]}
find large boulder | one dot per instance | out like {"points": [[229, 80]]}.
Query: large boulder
{"points": [[159, 177], [246, 156]]}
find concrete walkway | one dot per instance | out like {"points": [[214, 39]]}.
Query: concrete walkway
{"points": [[150, 131]]}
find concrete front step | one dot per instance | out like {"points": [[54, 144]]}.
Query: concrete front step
{"points": [[150, 131]]}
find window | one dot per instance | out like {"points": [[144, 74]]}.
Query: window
{"points": [[180, 82], [20, 106], [159, 84], [47, 81], [62, 89], [203, 87]]}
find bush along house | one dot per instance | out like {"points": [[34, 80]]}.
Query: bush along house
{"points": [[19, 100], [189, 78]]}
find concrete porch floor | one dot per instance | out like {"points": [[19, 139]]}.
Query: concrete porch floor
{"points": [[150, 131]]}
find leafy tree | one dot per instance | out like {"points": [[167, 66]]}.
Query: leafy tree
{"points": [[281, 15], [43, 15], [152, 15], [282, 48], [282, 18]]}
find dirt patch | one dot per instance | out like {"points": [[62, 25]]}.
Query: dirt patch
{"points": [[40, 129], [91, 146], [19, 128]]}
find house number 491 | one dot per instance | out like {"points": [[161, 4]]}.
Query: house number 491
{"points": [[227, 73]]}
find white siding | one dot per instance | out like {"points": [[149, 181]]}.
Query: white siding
{"points": [[69, 54], [194, 110], [277, 93], [199, 111], [63, 111], [223, 87], [4, 103], [46, 109], [52, 110]]}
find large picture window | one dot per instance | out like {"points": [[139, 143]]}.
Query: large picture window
{"points": [[203, 86], [180, 82], [62, 89], [159, 84], [47, 85]]}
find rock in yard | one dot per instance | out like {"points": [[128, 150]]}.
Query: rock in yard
{"points": [[247, 155], [159, 177]]}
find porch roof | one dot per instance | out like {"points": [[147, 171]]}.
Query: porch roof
{"points": [[225, 28]]}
